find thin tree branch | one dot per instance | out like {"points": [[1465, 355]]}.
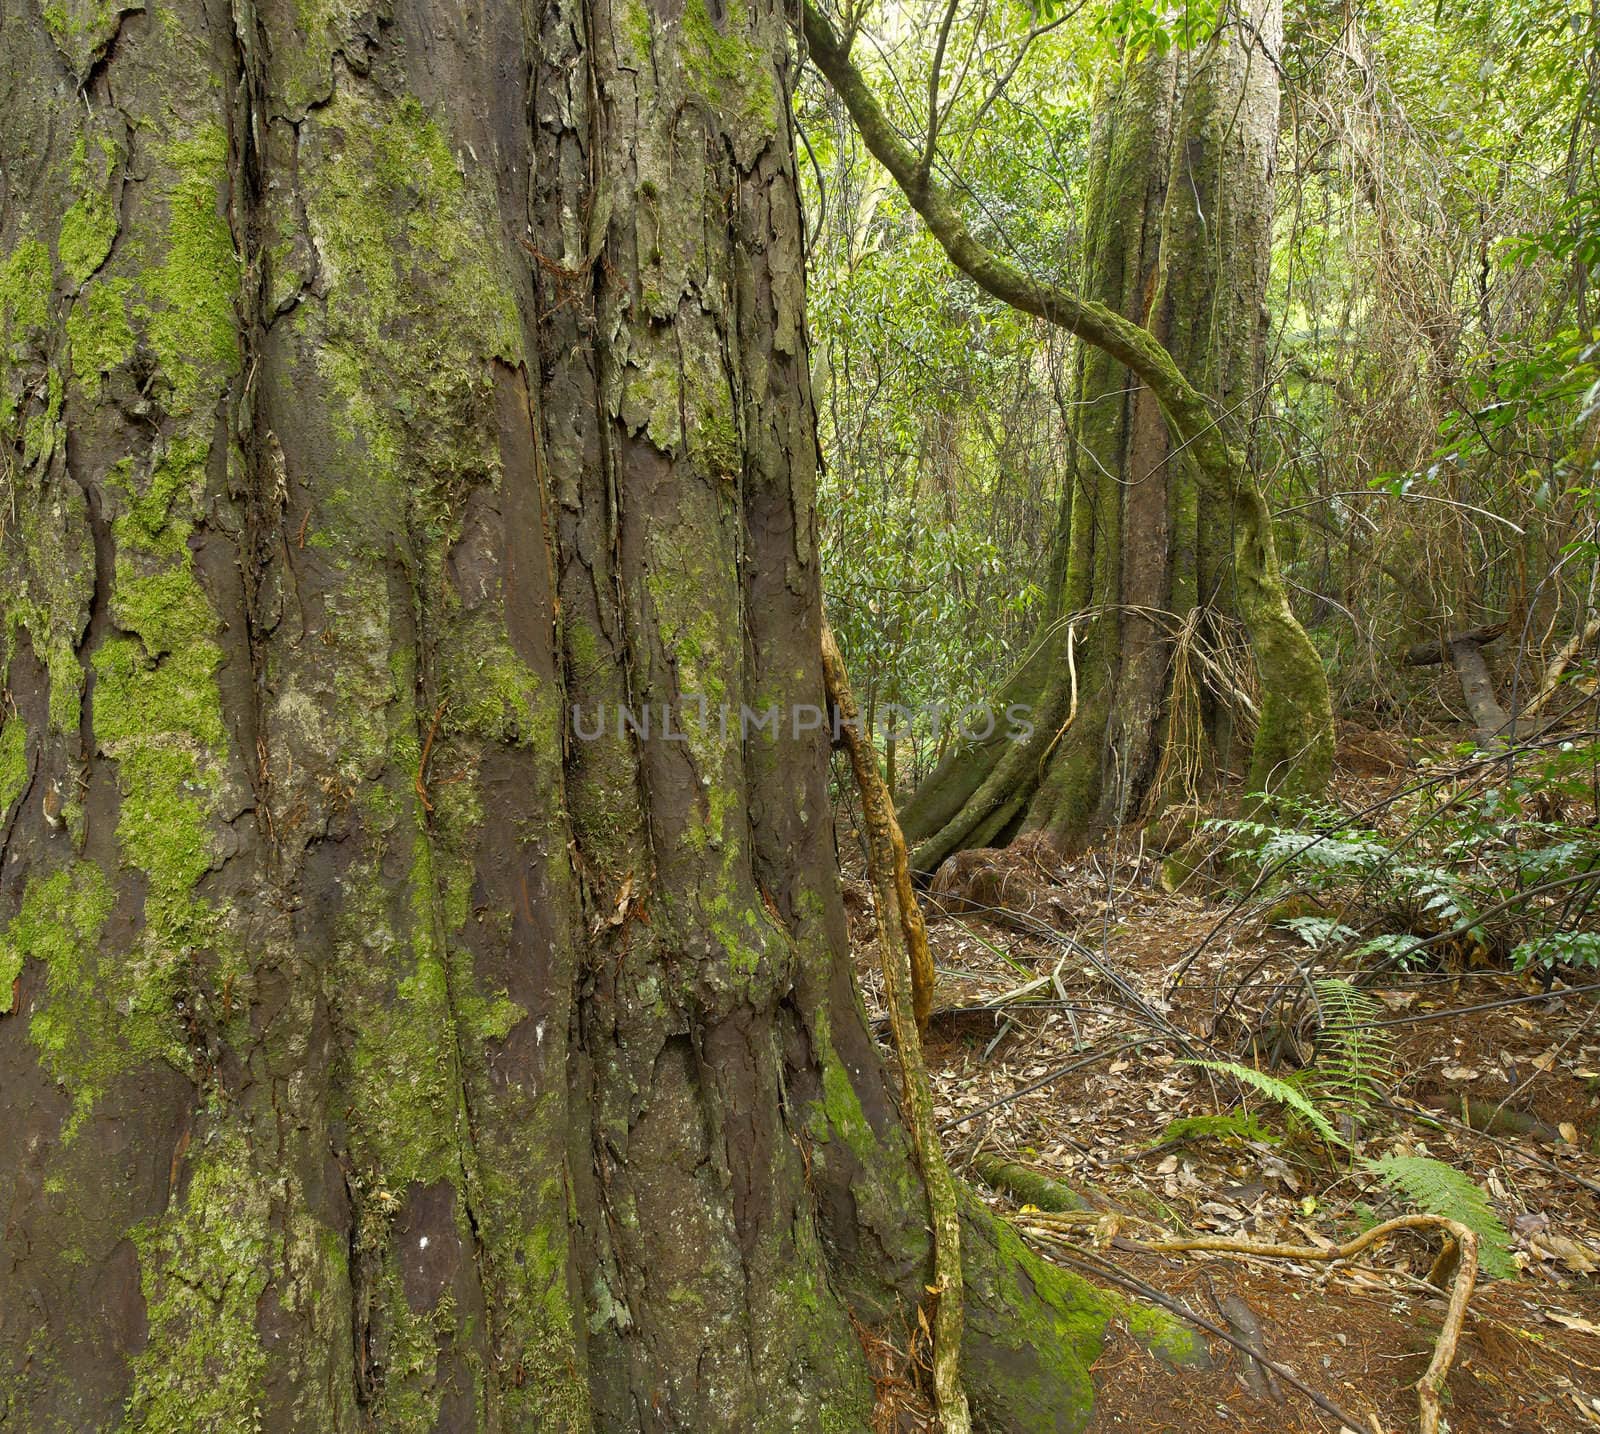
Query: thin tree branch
{"points": [[929, 147]]}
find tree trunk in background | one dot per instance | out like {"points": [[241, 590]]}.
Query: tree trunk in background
{"points": [[377, 385], [1179, 219]]}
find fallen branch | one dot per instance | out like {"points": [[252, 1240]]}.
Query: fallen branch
{"points": [[1436, 651], [1558, 667], [1496, 1118], [1464, 652]]}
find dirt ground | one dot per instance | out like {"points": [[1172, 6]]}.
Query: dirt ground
{"points": [[1105, 1042]]}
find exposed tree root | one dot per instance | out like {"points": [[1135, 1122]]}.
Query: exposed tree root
{"points": [[899, 943], [1028, 1186], [1461, 1251], [1096, 1265]]}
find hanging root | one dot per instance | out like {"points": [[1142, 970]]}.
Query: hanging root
{"points": [[886, 846], [909, 1004]]}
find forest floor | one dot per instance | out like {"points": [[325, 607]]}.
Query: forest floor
{"points": [[1101, 1042]]}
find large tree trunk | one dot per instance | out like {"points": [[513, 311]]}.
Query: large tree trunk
{"points": [[1152, 561], [377, 387]]}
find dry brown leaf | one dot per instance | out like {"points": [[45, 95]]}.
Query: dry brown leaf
{"points": [[1569, 1253]]}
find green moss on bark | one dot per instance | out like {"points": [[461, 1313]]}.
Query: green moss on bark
{"points": [[724, 66], [493, 695], [89, 227], [60, 924], [156, 516], [45, 563], [157, 712], [47, 578], [82, 29], [204, 1266], [99, 333], [13, 766], [190, 288], [403, 241], [730, 71], [25, 287]]}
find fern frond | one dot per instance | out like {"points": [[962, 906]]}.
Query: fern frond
{"points": [[1280, 1091], [1355, 1056], [1319, 932], [1349, 856], [1436, 1188], [1400, 948]]}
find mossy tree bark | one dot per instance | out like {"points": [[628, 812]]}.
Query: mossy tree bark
{"points": [[1164, 531], [378, 385]]}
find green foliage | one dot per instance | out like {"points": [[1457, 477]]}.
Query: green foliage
{"points": [[1142, 26], [939, 408], [1558, 948], [1278, 1090], [1355, 1064], [932, 413], [1319, 932], [1489, 867], [1537, 392], [1437, 414], [1436, 1188], [1232, 1125]]}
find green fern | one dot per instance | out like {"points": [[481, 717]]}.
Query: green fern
{"points": [[1355, 1056], [1280, 1091], [1439, 1189], [1321, 932], [1403, 949]]}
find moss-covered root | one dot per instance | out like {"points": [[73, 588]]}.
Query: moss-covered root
{"points": [[1034, 1330], [1028, 1186]]}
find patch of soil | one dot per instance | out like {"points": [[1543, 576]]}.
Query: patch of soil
{"points": [[1360, 1341]]}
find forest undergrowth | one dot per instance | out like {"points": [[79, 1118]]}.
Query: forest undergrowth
{"points": [[1288, 1034]]}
